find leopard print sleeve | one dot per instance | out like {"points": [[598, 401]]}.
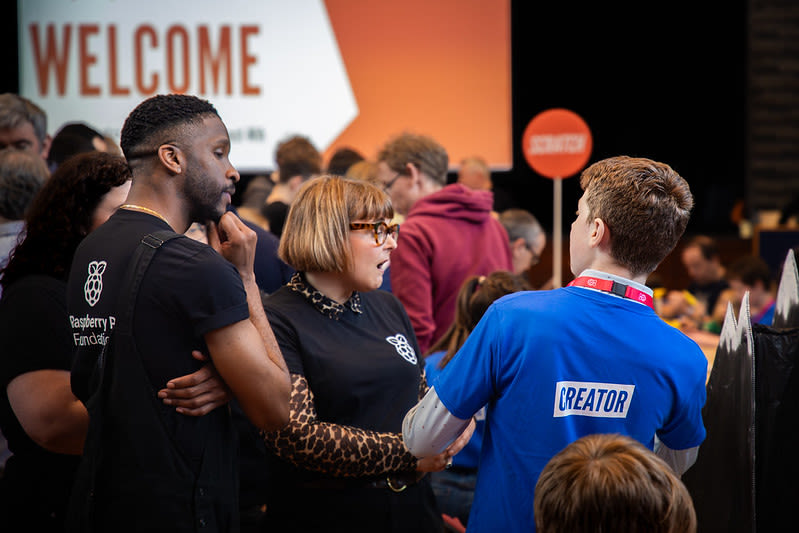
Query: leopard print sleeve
{"points": [[423, 386], [334, 449]]}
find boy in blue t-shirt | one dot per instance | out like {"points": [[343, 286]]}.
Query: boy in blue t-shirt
{"points": [[593, 357]]}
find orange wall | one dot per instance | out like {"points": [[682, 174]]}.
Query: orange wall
{"points": [[436, 68]]}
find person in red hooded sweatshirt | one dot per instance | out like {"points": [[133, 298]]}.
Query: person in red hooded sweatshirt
{"points": [[448, 235]]}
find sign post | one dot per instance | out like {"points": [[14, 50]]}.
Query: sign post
{"points": [[557, 144]]}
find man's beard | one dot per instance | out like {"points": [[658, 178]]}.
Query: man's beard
{"points": [[204, 200], [206, 213]]}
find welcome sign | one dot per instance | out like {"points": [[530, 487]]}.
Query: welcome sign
{"points": [[260, 63], [342, 72]]}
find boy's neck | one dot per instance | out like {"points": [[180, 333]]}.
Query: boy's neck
{"points": [[611, 267]]}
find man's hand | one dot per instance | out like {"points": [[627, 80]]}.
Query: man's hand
{"points": [[234, 241], [198, 393]]}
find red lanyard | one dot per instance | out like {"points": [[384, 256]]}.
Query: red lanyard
{"points": [[613, 287]]}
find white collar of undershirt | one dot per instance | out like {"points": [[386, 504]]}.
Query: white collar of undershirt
{"points": [[618, 279]]}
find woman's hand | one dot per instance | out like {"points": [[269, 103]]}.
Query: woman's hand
{"points": [[436, 463]]}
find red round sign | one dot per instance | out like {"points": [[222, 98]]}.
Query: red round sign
{"points": [[557, 143]]}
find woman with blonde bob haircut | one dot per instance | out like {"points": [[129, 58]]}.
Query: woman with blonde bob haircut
{"points": [[341, 464], [331, 203]]}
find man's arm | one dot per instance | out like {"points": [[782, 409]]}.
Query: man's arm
{"points": [[246, 353], [429, 428]]}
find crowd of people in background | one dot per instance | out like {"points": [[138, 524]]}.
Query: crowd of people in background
{"points": [[356, 345]]}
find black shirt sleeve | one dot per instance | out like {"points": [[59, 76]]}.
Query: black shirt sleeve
{"points": [[34, 329]]}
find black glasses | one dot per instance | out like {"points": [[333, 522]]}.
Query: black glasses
{"points": [[380, 229], [387, 186]]}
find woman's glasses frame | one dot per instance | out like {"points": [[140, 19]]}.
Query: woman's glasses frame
{"points": [[380, 230]]}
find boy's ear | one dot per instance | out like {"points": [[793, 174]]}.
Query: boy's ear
{"points": [[600, 234]]}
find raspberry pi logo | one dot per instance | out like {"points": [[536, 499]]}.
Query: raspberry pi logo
{"points": [[94, 283]]}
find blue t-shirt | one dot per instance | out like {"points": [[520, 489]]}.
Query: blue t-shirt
{"points": [[766, 317], [553, 366], [469, 456]]}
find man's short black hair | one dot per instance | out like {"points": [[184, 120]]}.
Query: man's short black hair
{"points": [[157, 115]]}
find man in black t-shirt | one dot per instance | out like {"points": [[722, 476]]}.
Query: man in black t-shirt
{"points": [[172, 470]]}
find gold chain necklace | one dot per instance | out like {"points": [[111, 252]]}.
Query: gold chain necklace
{"points": [[143, 210]]}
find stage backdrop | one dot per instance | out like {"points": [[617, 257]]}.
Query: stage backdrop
{"points": [[343, 72]]}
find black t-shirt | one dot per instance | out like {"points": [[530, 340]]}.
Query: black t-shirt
{"points": [[34, 335], [364, 369], [188, 290]]}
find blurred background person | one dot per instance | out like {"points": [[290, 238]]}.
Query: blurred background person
{"points": [[527, 240], [449, 233], [23, 125], [252, 200], [22, 174], [75, 138], [454, 486], [700, 257], [751, 274], [297, 161], [475, 174], [341, 464], [342, 159], [365, 170]]}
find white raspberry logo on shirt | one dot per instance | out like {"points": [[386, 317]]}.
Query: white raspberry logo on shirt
{"points": [[94, 283], [403, 347]]}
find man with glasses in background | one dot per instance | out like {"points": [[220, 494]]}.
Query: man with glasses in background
{"points": [[448, 233]]}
